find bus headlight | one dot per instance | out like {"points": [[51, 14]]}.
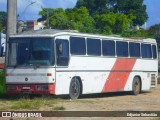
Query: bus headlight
{"points": [[42, 87]]}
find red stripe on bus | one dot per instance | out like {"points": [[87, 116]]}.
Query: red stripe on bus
{"points": [[116, 80]]}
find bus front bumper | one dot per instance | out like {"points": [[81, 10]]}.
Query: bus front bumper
{"points": [[30, 88]]}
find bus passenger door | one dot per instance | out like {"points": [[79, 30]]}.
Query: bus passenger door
{"points": [[62, 60]]}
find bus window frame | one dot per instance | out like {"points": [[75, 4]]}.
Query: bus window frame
{"points": [[115, 55], [55, 52], [140, 57], [151, 51], [70, 45], [127, 48], [156, 51], [100, 47]]}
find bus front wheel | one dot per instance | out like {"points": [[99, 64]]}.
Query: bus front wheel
{"points": [[74, 89], [136, 86]]}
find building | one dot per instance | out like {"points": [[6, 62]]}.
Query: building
{"points": [[34, 25], [21, 26]]}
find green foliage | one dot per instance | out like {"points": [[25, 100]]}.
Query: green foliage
{"points": [[59, 108], [104, 22], [73, 19], [134, 7], [155, 31], [98, 16], [80, 19], [122, 22], [27, 104], [3, 21], [2, 82], [112, 23], [20, 103], [137, 33], [58, 19], [96, 6]]}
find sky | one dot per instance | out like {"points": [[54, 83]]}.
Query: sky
{"points": [[30, 12]]}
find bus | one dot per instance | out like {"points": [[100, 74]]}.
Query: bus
{"points": [[71, 63]]}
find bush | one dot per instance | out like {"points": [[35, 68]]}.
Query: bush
{"points": [[2, 82], [137, 33]]}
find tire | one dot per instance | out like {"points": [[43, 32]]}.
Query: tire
{"points": [[74, 89], [136, 86]]}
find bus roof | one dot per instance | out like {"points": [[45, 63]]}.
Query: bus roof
{"points": [[53, 32]]}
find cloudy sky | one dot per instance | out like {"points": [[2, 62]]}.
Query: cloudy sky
{"points": [[29, 12]]}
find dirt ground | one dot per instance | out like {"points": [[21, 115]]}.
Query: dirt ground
{"points": [[146, 101], [124, 101]]}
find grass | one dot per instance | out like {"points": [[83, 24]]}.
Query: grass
{"points": [[59, 108], [37, 103], [2, 82], [27, 104], [18, 102]]}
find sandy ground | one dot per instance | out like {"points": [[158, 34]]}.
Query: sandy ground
{"points": [[146, 101]]}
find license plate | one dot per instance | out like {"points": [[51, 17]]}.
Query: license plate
{"points": [[26, 88]]}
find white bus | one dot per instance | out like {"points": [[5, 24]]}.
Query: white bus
{"points": [[72, 63]]}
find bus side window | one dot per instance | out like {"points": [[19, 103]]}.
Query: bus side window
{"points": [[62, 51], [122, 49], [146, 50], [134, 49], [154, 52]]}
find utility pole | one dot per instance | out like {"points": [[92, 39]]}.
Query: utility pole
{"points": [[48, 18], [11, 23], [11, 17], [47, 11]]}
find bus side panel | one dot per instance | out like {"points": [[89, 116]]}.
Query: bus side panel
{"points": [[105, 74], [143, 69], [92, 71]]}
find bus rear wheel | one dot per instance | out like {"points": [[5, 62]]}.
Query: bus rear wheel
{"points": [[136, 86], [74, 89]]}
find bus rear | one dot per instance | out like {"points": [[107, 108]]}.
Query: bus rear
{"points": [[29, 65]]}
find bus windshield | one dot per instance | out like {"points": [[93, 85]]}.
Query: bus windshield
{"points": [[31, 52]]}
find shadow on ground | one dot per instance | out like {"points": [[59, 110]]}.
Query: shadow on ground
{"points": [[87, 96]]}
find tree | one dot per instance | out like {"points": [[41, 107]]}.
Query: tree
{"points": [[112, 23], [104, 22], [96, 6], [57, 18], [43, 13], [122, 22], [134, 7], [155, 31], [80, 19], [3, 21], [73, 19]]}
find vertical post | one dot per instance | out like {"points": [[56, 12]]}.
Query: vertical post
{"points": [[11, 17], [48, 18], [11, 22]]}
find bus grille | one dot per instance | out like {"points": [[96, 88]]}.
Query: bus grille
{"points": [[153, 80]]}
